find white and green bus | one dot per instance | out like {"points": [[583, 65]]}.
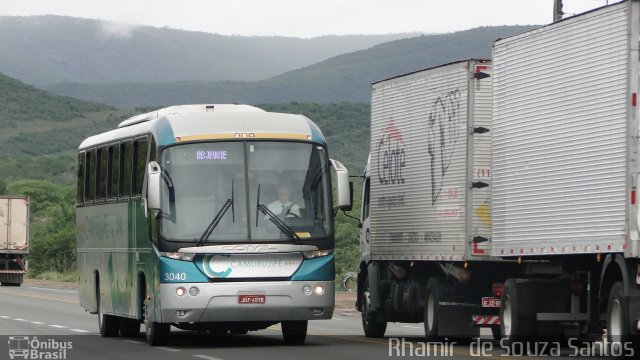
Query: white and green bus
{"points": [[175, 225]]}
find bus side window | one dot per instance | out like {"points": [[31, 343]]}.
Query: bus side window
{"points": [[90, 184], [101, 177], [140, 163], [125, 169], [114, 171], [80, 188]]}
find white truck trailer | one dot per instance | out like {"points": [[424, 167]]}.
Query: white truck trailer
{"points": [[14, 239], [547, 230], [426, 208]]}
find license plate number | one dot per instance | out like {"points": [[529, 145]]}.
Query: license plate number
{"points": [[490, 302], [252, 298]]}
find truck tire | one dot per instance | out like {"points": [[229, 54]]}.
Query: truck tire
{"points": [[294, 332], [371, 326], [108, 324], [516, 313], [619, 332], [432, 308]]}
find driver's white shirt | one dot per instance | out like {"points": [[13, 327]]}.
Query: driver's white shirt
{"points": [[277, 207]]}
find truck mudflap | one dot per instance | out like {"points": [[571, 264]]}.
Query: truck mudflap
{"points": [[485, 320], [11, 277]]}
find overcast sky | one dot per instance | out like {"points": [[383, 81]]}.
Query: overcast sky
{"points": [[305, 18]]}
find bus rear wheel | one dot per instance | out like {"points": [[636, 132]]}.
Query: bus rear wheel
{"points": [[294, 332]]}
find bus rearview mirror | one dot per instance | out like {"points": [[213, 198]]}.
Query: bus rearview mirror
{"points": [[153, 185]]}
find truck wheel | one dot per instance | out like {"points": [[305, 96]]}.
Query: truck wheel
{"points": [[619, 334], [516, 309], [432, 309], [108, 324], [371, 326], [294, 332]]}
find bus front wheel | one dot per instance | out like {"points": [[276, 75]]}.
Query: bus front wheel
{"points": [[157, 334], [294, 332]]}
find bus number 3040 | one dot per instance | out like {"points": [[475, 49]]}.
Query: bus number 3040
{"points": [[175, 276]]}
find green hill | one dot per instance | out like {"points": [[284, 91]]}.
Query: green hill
{"points": [[342, 78], [42, 50]]}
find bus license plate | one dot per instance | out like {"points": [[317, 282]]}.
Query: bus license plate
{"points": [[259, 298]]}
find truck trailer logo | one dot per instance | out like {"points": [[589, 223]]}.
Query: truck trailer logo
{"points": [[391, 155], [444, 128]]}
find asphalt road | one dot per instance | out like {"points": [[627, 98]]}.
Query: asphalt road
{"points": [[51, 319]]}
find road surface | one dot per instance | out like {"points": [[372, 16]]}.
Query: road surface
{"points": [[51, 321]]}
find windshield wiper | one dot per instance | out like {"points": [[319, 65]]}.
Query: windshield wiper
{"points": [[276, 220], [216, 219]]}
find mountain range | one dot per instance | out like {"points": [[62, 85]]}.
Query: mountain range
{"points": [[43, 50], [345, 77]]}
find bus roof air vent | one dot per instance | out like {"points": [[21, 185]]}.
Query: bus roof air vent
{"points": [[188, 109]]}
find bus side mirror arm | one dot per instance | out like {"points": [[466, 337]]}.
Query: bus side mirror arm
{"points": [[153, 185]]}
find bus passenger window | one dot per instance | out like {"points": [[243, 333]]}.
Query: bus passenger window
{"points": [[80, 188], [90, 189], [125, 169], [140, 163], [114, 171], [101, 177]]}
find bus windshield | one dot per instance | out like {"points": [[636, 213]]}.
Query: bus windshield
{"points": [[230, 192]]}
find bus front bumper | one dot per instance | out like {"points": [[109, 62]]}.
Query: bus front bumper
{"points": [[246, 301]]}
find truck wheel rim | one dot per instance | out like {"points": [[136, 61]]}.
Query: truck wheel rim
{"points": [[430, 311], [367, 304], [506, 317], [615, 321]]}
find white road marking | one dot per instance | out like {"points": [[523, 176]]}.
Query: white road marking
{"points": [[5, 317], [412, 327], [37, 322], [167, 349], [337, 319], [20, 319], [79, 330], [49, 289], [58, 326], [132, 342], [206, 357]]}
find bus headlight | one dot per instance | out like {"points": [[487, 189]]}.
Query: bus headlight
{"points": [[318, 290], [193, 291], [306, 290], [178, 256], [316, 253], [180, 291]]}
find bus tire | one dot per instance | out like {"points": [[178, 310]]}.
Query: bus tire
{"points": [[294, 332], [156, 334], [370, 324], [129, 327], [108, 324]]}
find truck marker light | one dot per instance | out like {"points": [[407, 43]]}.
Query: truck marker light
{"points": [[634, 99], [633, 197], [496, 289]]}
